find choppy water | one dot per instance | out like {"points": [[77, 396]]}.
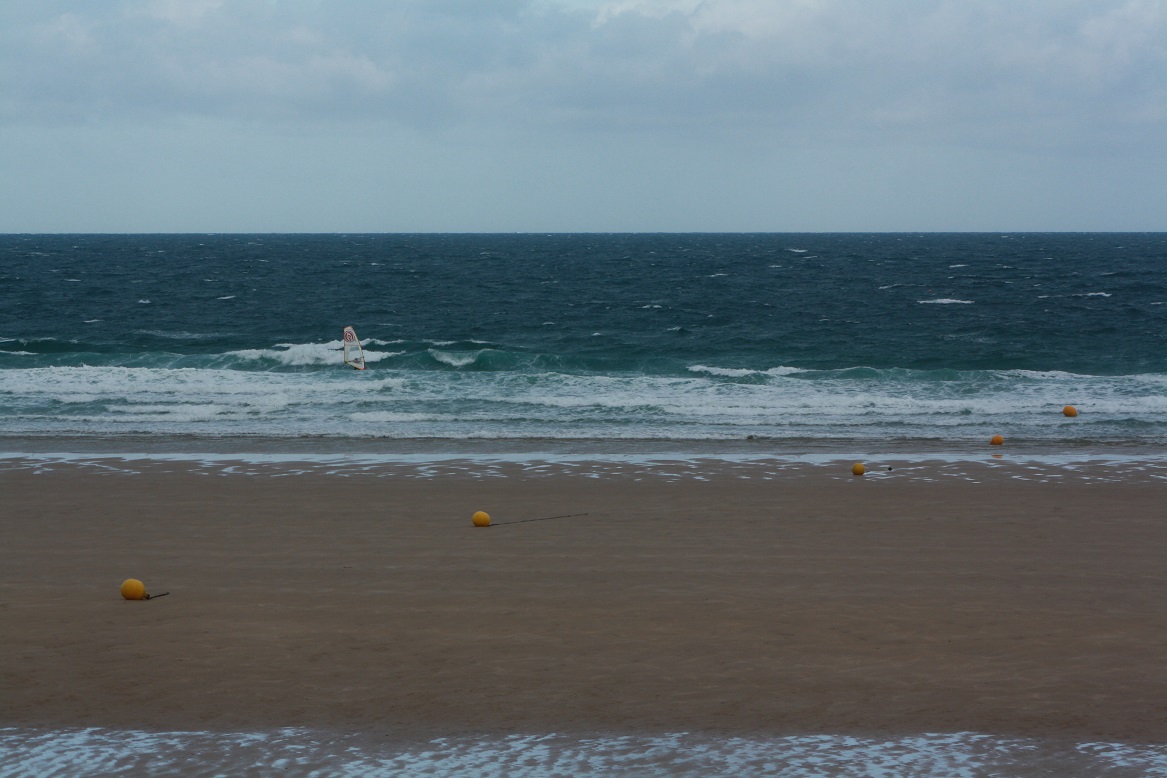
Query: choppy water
{"points": [[307, 753], [905, 339]]}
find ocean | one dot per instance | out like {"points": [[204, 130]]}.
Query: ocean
{"points": [[768, 343], [604, 353]]}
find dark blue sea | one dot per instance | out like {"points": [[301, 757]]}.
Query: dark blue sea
{"points": [[780, 342]]}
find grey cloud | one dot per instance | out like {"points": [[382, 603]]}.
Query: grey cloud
{"points": [[972, 69], [583, 114]]}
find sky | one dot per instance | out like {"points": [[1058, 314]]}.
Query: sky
{"points": [[582, 115]]}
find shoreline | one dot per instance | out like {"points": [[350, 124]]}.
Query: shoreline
{"points": [[788, 602], [923, 467], [807, 449]]}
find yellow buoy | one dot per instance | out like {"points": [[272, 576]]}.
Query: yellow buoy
{"points": [[1070, 411], [858, 469], [997, 440], [481, 519], [133, 589]]}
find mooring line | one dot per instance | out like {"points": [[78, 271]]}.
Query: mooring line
{"points": [[545, 518]]}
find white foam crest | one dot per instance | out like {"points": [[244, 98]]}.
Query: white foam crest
{"points": [[242, 406], [1043, 375], [381, 417], [782, 370], [293, 354], [91, 384], [456, 358], [695, 397], [444, 343], [161, 409], [729, 372], [305, 354], [945, 301], [734, 372], [110, 378], [831, 401], [187, 412], [177, 335]]}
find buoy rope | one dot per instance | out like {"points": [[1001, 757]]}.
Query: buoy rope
{"points": [[545, 518], [156, 596]]}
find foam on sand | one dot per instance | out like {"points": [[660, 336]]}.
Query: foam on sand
{"points": [[493, 463], [111, 752]]}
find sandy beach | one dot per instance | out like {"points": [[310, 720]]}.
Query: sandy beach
{"points": [[805, 603]]}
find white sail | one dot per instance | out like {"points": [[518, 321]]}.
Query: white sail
{"points": [[354, 355]]}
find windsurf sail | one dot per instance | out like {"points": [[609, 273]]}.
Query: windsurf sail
{"points": [[354, 355]]}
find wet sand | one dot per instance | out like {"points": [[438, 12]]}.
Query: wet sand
{"points": [[808, 603]]}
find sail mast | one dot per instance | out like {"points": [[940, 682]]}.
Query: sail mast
{"points": [[354, 355]]}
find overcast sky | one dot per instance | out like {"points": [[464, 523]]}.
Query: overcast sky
{"points": [[582, 115]]}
